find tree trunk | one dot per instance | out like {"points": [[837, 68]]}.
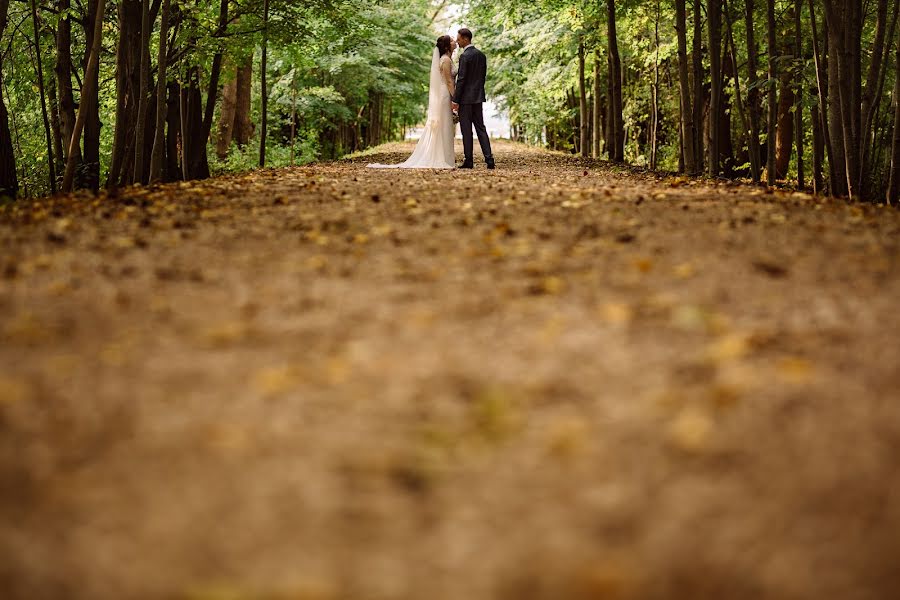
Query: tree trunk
{"points": [[818, 150], [742, 109], [714, 14], [784, 137], [753, 92], [243, 127], [159, 143], [822, 123], [64, 79], [688, 129], [173, 133], [127, 91], [838, 133], [699, 95], [39, 68], [9, 181], [90, 76], [90, 99], [798, 106], [264, 88], [772, 99], [198, 161], [58, 152], [597, 131], [226, 118], [584, 142], [874, 88], [893, 193], [144, 95], [617, 126], [654, 96]]}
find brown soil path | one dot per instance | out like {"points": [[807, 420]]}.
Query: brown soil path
{"points": [[551, 381]]}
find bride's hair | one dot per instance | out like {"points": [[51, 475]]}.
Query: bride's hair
{"points": [[443, 44]]}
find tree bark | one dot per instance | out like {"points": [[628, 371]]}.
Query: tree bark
{"points": [[90, 76], [654, 96], [822, 122], [226, 118], [90, 98], [597, 131], [39, 68], [753, 92], [798, 106], [714, 15], [584, 142], [127, 91], [893, 191], [9, 181], [699, 95], [264, 88], [243, 127], [617, 126], [64, 79], [784, 138], [159, 143], [772, 100], [688, 129], [144, 95]]}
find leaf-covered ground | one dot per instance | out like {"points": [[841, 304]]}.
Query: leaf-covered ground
{"points": [[551, 381]]}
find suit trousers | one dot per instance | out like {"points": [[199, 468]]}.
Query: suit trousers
{"points": [[471, 115]]}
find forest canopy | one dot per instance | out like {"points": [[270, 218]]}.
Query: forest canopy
{"points": [[800, 91]]}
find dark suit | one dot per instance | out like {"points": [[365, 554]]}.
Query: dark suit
{"points": [[470, 96]]}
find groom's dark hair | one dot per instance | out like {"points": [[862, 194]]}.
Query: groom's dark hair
{"points": [[466, 33]]}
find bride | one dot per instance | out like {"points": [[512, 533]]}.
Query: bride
{"points": [[435, 147]]}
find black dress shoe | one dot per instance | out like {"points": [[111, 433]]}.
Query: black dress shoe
{"points": [[466, 166], [491, 166]]}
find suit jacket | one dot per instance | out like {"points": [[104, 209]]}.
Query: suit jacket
{"points": [[471, 76]]}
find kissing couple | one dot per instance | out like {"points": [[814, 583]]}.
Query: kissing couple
{"points": [[453, 92]]}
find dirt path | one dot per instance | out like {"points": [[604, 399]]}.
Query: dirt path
{"points": [[552, 381]]}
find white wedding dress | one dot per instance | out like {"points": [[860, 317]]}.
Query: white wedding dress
{"points": [[435, 148]]}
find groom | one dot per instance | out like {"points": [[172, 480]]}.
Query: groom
{"points": [[469, 98]]}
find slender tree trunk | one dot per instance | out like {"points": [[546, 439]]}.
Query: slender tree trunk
{"points": [[597, 131], [688, 129], [90, 76], [226, 117], [822, 123], [9, 181], [893, 192], [818, 150], [159, 143], [64, 77], [128, 61], [39, 68], [173, 133], [58, 152], [784, 139], [654, 103], [699, 96], [617, 149], [293, 112], [714, 14], [753, 92], [144, 96], [264, 88], [198, 161], [874, 87], [838, 133], [772, 100], [243, 127], [742, 109], [584, 142], [90, 98], [798, 106]]}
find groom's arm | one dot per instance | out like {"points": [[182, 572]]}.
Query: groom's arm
{"points": [[460, 78]]}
